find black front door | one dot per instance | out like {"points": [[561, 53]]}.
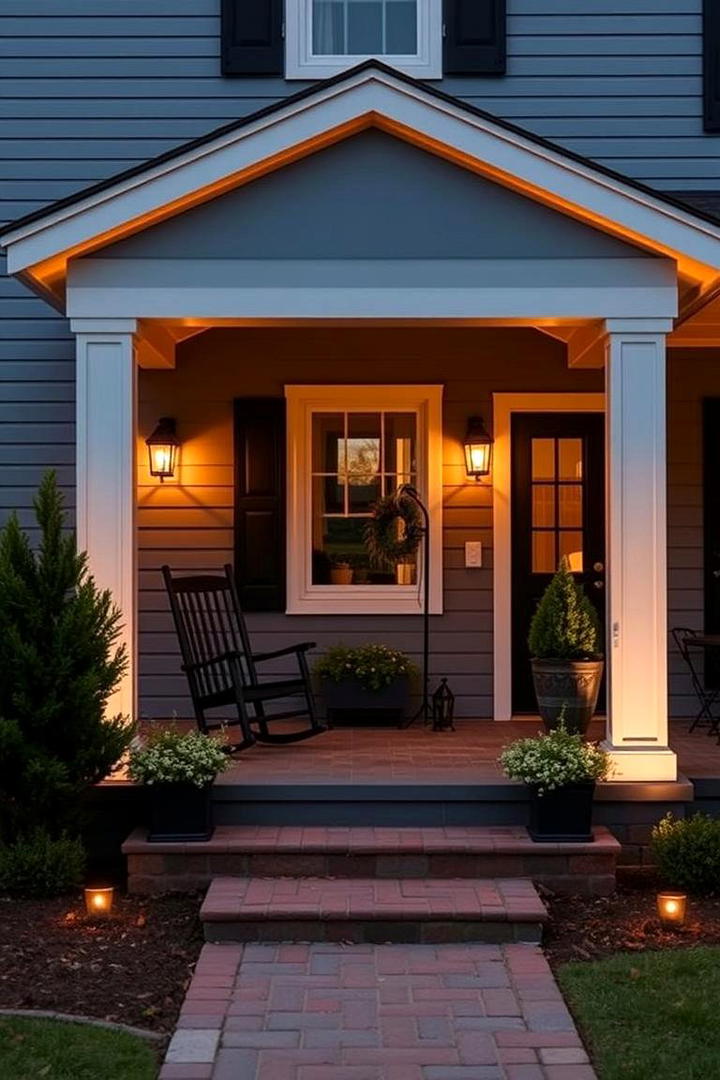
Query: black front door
{"points": [[558, 509], [711, 524]]}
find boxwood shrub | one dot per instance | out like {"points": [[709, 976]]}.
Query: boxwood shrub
{"points": [[687, 853]]}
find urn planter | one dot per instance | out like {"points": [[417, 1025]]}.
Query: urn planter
{"points": [[349, 701], [567, 689], [179, 813], [563, 815]]}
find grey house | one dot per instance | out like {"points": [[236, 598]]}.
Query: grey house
{"points": [[321, 235]]}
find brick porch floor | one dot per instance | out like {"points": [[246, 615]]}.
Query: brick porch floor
{"points": [[374, 1012], [355, 755]]}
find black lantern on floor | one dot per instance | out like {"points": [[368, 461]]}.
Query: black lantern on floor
{"points": [[478, 448], [162, 448], [443, 708]]}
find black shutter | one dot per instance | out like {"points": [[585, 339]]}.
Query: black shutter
{"points": [[252, 41], [711, 64], [474, 41], [260, 503]]}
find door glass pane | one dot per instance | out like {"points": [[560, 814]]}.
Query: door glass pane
{"points": [[543, 459], [363, 448], [570, 497], [543, 505], [570, 455], [543, 552], [571, 547], [399, 450]]}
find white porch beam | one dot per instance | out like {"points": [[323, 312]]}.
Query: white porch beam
{"points": [[637, 733], [106, 432]]}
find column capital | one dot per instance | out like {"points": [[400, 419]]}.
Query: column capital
{"points": [[639, 326], [109, 327]]}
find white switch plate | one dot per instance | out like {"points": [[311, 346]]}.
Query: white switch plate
{"points": [[473, 553]]}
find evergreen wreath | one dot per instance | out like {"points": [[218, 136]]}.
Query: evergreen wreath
{"points": [[385, 547]]}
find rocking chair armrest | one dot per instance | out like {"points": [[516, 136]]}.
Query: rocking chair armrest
{"points": [[291, 650]]}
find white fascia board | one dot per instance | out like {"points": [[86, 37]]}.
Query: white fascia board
{"points": [[443, 288], [377, 98]]}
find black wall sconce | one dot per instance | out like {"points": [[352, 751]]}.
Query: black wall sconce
{"points": [[478, 448], [163, 447]]}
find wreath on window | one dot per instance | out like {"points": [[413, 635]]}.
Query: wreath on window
{"points": [[394, 532]]}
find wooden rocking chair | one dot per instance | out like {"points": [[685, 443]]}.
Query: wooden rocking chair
{"points": [[221, 667]]}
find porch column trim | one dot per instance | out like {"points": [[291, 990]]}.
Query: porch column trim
{"points": [[637, 726], [106, 433]]}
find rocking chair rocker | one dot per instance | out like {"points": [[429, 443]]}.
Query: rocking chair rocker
{"points": [[221, 667]]}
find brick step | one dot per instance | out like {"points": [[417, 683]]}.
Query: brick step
{"points": [[445, 852], [373, 911]]}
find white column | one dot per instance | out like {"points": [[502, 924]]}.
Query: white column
{"points": [[106, 433], [637, 732]]}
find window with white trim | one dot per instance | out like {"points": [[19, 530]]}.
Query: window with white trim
{"points": [[324, 37], [347, 447]]}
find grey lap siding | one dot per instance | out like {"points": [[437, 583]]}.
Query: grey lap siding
{"points": [[89, 87]]}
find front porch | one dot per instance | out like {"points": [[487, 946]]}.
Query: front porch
{"points": [[366, 238]]}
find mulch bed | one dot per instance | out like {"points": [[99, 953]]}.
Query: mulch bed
{"points": [[132, 968], [585, 928]]}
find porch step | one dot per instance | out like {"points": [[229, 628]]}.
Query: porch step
{"points": [[373, 911], [372, 853]]}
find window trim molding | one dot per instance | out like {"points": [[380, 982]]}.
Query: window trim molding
{"points": [[304, 598], [300, 63]]}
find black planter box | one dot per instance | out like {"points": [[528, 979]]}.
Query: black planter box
{"points": [[348, 702], [179, 813], [562, 816]]}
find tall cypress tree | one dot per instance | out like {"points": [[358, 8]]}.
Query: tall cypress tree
{"points": [[59, 663]]}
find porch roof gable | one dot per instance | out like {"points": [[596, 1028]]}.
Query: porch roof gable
{"points": [[40, 245]]}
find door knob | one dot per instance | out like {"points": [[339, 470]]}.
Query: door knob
{"points": [[598, 567], [599, 584]]}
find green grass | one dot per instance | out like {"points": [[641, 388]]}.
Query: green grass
{"points": [[649, 1016], [52, 1050]]}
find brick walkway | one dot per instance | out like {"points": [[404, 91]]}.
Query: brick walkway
{"points": [[374, 1012]]}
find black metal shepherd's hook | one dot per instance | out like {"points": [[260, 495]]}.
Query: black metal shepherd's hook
{"points": [[410, 492]]}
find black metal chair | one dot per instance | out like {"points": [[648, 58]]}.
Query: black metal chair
{"points": [[683, 637], [221, 667]]}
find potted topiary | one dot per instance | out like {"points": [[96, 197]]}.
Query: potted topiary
{"points": [[566, 665], [560, 770], [370, 682], [178, 770]]}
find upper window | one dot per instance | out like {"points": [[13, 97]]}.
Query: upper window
{"points": [[347, 447], [323, 37]]}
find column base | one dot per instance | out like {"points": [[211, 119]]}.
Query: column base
{"points": [[641, 762]]}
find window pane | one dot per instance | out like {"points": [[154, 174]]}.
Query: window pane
{"points": [[570, 455], [543, 459], [364, 27], [571, 549], [328, 28], [543, 505], [400, 27], [363, 448], [328, 447], [399, 447], [570, 496], [543, 553]]}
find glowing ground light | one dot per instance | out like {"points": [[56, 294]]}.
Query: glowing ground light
{"points": [[672, 908], [99, 902]]}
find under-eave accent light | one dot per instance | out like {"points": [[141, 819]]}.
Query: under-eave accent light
{"points": [[163, 448], [478, 448]]}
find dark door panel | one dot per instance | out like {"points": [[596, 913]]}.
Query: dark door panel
{"points": [[558, 510]]}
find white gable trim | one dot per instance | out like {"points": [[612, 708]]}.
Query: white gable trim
{"points": [[367, 98]]}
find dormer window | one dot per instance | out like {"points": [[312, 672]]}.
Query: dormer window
{"points": [[324, 37]]}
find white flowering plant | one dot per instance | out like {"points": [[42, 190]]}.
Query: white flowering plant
{"points": [[173, 757], [555, 760], [373, 665]]}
